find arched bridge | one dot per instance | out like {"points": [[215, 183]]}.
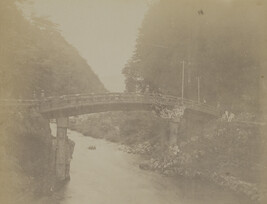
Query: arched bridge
{"points": [[78, 104], [69, 105]]}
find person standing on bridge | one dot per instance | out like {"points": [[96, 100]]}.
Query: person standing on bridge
{"points": [[225, 116], [42, 94], [231, 117], [147, 89], [34, 94]]}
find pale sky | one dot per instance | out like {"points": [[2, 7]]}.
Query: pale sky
{"points": [[103, 31]]}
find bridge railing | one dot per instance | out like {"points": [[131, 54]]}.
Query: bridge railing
{"points": [[128, 97], [66, 101], [75, 100], [17, 102]]}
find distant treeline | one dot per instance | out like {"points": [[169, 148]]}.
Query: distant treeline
{"points": [[34, 57], [220, 41]]}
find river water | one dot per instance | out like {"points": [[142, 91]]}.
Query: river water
{"points": [[109, 176]]}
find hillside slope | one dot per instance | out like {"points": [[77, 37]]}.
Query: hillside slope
{"points": [[34, 57], [219, 41]]}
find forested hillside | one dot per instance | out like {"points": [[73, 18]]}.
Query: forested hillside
{"points": [[220, 41], [34, 57]]}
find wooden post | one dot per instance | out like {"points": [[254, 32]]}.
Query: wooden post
{"points": [[183, 82], [198, 89]]}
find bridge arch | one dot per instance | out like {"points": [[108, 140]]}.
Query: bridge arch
{"points": [[61, 108], [71, 105]]}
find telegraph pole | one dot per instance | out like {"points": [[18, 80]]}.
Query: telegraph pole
{"points": [[183, 82], [198, 89]]}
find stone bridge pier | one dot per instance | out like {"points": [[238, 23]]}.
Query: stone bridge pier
{"points": [[191, 124], [61, 154]]}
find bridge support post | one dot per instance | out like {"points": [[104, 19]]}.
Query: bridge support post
{"points": [[62, 125]]}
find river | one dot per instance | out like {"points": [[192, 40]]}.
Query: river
{"points": [[109, 176]]}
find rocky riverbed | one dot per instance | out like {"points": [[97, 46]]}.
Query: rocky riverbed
{"points": [[175, 162]]}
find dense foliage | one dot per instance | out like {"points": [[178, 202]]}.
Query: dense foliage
{"points": [[123, 127], [34, 57], [220, 42]]}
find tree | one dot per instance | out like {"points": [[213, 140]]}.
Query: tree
{"points": [[219, 42], [34, 57]]}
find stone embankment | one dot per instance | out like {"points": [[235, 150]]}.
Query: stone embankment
{"points": [[173, 167], [205, 157]]}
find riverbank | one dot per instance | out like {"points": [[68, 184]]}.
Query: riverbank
{"points": [[226, 153], [210, 161], [110, 176]]}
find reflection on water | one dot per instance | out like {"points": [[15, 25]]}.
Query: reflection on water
{"points": [[109, 176]]}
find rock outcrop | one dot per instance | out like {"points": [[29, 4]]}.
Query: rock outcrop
{"points": [[27, 157]]}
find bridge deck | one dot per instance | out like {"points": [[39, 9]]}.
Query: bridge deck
{"points": [[76, 102]]}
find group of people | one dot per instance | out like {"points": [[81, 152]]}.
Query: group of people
{"points": [[92, 147], [40, 95], [228, 116]]}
